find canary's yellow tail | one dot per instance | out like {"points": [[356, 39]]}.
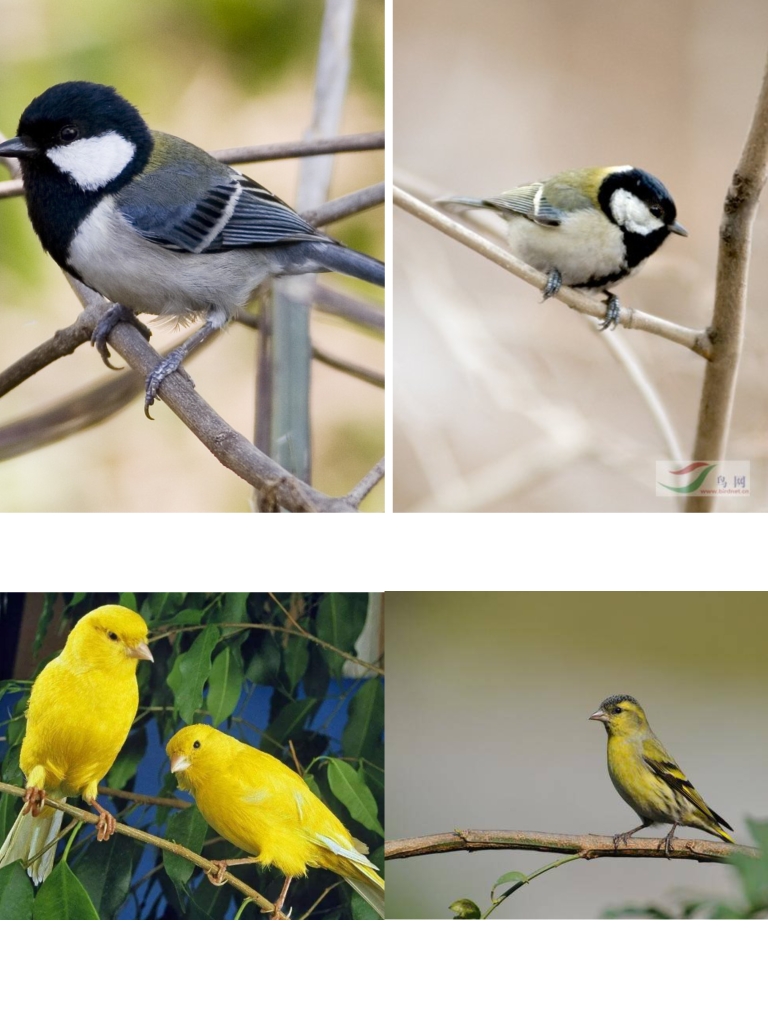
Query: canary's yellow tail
{"points": [[27, 841], [370, 886]]}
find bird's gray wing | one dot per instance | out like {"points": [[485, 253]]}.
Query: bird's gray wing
{"points": [[528, 201], [167, 206]]}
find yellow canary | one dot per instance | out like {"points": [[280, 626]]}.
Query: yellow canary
{"points": [[645, 775], [80, 710], [265, 808]]}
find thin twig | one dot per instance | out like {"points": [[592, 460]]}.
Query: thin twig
{"points": [[145, 837], [730, 308], [143, 798], [255, 154], [351, 369], [586, 846], [696, 341], [367, 484]]}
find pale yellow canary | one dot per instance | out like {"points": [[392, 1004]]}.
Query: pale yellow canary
{"points": [[265, 808], [80, 710], [647, 777]]}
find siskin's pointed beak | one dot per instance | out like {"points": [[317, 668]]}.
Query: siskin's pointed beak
{"points": [[599, 716]]}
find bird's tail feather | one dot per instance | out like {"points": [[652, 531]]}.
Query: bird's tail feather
{"points": [[370, 886], [351, 262], [27, 841]]}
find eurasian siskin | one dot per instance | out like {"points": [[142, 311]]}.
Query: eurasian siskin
{"points": [[645, 775]]}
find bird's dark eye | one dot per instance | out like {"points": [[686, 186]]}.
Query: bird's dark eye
{"points": [[617, 710], [69, 133], [657, 211], [196, 744], [112, 636]]}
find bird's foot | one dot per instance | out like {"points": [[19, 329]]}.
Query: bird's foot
{"points": [[612, 313], [34, 800], [553, 285], [277, 911], [164, 369], [622, 837], [666, 842], [116, 314], [105, 826], [216, 877]]}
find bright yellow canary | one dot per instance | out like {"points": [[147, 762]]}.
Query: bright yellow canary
{"points": [[265, 808], [80, 710], [645, 775]]}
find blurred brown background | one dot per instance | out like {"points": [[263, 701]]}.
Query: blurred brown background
{"points": [[505, 404], [220, 73], [488, 696]]}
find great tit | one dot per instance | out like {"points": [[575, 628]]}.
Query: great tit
{"points": [[588, 228], [153, 223]]}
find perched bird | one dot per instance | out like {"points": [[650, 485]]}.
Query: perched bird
{"points": [[587, 228], [153, 223], [645, 775], [80, 710], [267, 809]]}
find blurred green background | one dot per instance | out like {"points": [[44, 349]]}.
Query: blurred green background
{"points": [[220, 73], [488, 696]]}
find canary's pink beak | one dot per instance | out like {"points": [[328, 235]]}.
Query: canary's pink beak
{"points": [[141, 651], [179, 763]]}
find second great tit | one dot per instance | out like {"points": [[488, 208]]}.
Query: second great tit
{"points": [[153, 223], [587, 228]]}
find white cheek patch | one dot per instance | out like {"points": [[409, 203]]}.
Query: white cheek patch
{"points": [[93, 163], [631, 213]]}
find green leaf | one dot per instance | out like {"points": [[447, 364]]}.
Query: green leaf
{"points": [[62, 897], [225, 684], [190, 673], [348, 787], [209, 902], [49, 603], [290, 720], [296, 658], [340, 620], [465, 910], [511, 876], [361, 909], [105, 871], [127, 761], [17, 893], [9, 808], [365, 725], [234, 608], [128, 601], [187, 828]]}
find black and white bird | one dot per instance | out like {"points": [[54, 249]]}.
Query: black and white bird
{"points": [[153, 223], [588, 228]]}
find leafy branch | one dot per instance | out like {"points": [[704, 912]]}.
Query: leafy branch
{"points": [[209, 867]]}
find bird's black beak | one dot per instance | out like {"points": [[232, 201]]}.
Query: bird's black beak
{"points": [[20, 147]]}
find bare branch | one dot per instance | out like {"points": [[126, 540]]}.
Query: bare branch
{"points": [[367, 484], [352, 369], [697, 341], [306, 147], [729, 315], [345, 206], [586, 846], [255, 154]]}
